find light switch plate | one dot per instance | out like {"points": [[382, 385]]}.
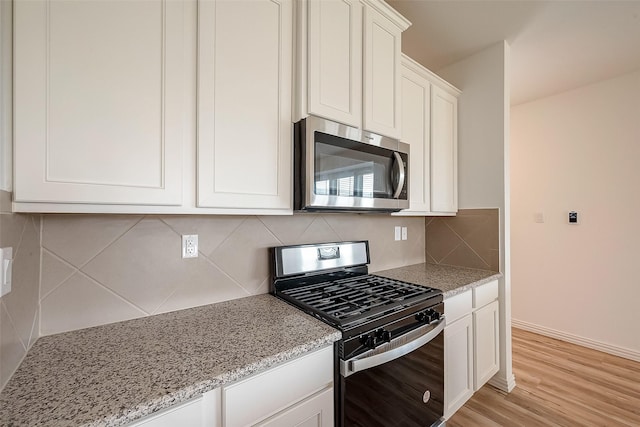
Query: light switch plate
{"points": [[398, 232], [6, 263], [404, 233], [573, 217]]}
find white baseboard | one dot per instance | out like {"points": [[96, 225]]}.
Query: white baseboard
{"points": [[506, 385], [575, 339]]}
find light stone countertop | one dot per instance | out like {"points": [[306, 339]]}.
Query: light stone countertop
{"points": [[449, 279], [113, 374]]}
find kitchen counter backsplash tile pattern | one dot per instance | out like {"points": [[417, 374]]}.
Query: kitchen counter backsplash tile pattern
{"points": [[470, 239], [19, 308], [99, 269]]}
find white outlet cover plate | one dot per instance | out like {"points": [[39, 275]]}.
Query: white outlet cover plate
{"points": [[404, 233], [189, 246], [398, 232], [6, 261]]}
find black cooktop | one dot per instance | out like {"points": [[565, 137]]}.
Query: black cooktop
{"points": [[349, 301], [331, 282]]}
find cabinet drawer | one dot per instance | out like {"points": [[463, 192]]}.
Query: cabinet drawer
{"points": [[316, 411], [189, 413], [484, 294], [249, 401], [457, 306]]}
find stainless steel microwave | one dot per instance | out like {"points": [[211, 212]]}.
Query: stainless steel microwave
{"points": [[342, 168]]}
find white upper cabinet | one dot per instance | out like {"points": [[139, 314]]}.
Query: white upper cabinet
{"points": [[99, 101], [245, 51], [429, 110], [348, 67], [334, 78], [444, 151], [154, 106], [382, 53], [416, 131]]}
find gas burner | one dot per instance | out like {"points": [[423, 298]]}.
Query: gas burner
{"points": [[353, 298]]}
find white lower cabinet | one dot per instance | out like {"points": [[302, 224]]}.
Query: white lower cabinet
{"points": [[471, 344], [316, 411], [486, 343], [458, 365], [298, 393], [253, 400]]}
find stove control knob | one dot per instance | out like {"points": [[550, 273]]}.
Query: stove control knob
{"points": [[422, 316], [372, 341], [429, 317], [383, 335], [435, 316], [369, 340]]}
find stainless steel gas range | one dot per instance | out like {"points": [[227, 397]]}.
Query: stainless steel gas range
{"points": [[389, 364]]}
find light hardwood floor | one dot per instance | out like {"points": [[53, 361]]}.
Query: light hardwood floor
{"points": [[558, 384]]}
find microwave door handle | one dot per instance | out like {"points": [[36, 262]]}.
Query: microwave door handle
{"points": [[398, 171], [350, 367]]}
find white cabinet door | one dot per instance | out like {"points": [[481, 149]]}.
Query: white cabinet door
{"points": [[486, 344], [316, 411], [444, 151], [334, 40], [254, 399], [458, 364], [416, 119], [245, 51], [99, 101], [381, 99]]}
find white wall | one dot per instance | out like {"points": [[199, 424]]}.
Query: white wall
{"points": [[483, 169], [579, 150], [5, 95]]}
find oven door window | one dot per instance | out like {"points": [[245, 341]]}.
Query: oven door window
{"points": [[351, 169]]}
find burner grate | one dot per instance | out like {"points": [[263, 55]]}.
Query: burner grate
{"points": [[354, 297]]}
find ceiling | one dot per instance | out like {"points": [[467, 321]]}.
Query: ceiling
{"points": [[555, 45]]}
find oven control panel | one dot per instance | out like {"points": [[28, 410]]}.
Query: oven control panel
{"points": [[372, 339]]}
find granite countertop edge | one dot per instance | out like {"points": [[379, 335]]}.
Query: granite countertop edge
{"points": [[452, 280], [198, 389], [207, 347], [464, 288]]}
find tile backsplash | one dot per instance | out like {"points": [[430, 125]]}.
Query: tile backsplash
{"points": [[99, 269], [470, 239], [19, 308]]}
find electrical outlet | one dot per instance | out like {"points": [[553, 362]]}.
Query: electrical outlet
{"points": [[404, 233], [6, 261], [398, 232], [189, 246]]}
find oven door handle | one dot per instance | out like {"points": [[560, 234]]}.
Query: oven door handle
{"points": [[349, 367]]}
